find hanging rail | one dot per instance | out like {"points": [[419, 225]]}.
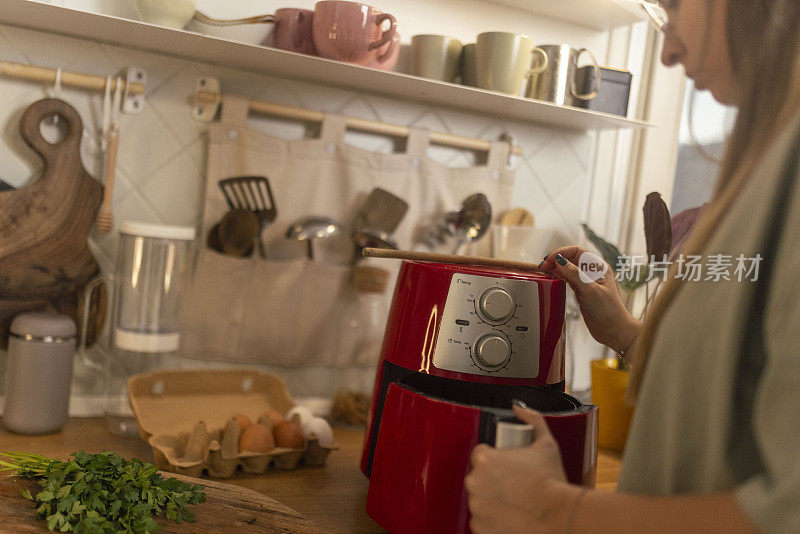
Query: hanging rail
{"points": [[134, 84], [210, 100]]}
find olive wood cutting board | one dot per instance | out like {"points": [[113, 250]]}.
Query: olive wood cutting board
{"points": [[44, 258], [228, 509]]}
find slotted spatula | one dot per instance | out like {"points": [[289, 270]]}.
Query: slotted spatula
{"points": [[251, 193]]}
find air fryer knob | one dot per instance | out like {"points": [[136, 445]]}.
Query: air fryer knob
{"points": [[496, 305], [492, 351]]}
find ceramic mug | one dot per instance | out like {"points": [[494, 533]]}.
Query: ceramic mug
{"points": [[503, 61], [385, 58], [346, 31], [435, 57], [293, 30], [468, 74]]}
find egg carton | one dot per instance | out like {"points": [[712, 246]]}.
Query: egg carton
{"points": [[169, 404], [169, 453]]}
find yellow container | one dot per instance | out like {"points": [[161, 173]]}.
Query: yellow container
{"points": [[609, 386]]}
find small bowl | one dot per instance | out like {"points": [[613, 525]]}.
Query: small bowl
{"points": [[244, 33], [170, 13]]}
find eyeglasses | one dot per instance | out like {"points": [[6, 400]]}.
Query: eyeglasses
{"points": [[656, 14]]}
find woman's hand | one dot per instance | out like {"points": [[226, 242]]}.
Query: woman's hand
{"points": [[603, 312], [520, 490]]}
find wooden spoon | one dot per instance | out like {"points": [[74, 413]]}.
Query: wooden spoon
{"points": [[237, 232], [105, 219], [451, 258], [517, 217]]}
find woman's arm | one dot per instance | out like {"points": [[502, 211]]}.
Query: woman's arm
{"points": [[601, 306], [524, 491], [606, 512]]}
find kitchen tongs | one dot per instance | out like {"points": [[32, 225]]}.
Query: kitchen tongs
{"points": [[251, 193]]}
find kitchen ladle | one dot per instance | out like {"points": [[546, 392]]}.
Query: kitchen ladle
{"points": [[468, 224], [472, 221], [309, 228]]}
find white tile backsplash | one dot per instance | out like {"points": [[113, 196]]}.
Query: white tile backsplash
{"points": [[161, 164], [557, 166], [55, 51], [146, 144], [176, 190]]}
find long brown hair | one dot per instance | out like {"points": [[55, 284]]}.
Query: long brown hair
{"points": [[763, 38]]}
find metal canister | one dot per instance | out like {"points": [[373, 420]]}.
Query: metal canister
{"points": [[557, 83], [41, 350], [614, 92]]}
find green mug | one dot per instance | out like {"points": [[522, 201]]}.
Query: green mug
{"points": [[435, 57], [503, 61], [468, 74]]}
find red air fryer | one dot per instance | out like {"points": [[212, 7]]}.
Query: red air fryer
{"points": [[461, 343]]}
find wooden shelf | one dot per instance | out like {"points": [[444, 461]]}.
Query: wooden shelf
{"points": [[595, 14], [152, 38]]}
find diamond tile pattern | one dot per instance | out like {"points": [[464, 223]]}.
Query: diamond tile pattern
{"points": [[161, 164]]}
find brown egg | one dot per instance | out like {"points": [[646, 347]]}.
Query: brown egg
{"points": [[257, 438], [244, 421], [288, 435], [274, 416]]}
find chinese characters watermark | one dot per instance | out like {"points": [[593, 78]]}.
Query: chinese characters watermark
{"points": [[690, 268]]}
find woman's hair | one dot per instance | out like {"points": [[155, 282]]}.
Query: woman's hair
{"points": [[763, 37]]}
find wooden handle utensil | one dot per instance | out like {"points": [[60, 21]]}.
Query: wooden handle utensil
{"points": [[105, 219], [451, 258]]}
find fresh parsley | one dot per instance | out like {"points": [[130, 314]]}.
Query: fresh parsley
{"points": [[102, 493]]}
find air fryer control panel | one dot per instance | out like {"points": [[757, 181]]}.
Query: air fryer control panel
{"points": [[490, 326]]}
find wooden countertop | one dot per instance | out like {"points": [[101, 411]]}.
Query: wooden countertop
{"points": [[333, 496]]}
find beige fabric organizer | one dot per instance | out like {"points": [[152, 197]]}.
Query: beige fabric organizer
{"points": [[286, 310]]}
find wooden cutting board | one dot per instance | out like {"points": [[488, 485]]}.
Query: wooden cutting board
{"points": [[228, 509], [44, 258]]}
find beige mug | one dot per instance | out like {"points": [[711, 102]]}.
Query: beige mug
{"points": [[435, 57], [468, 74], [503, 61]]}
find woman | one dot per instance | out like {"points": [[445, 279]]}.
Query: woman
{"points": [[715, 441]]}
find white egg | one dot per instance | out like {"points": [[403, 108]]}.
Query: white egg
{"points": [[302, 412], [319, 429]]}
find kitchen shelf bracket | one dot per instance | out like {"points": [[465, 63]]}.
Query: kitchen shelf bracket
{"points": [[133, 101], [206, 108]]}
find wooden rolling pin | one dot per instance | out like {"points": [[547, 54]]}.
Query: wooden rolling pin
{"points": [[451, 258]]}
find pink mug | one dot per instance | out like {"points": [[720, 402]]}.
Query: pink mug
{"points": [[346, 31], [385, 58], [293, 30]]}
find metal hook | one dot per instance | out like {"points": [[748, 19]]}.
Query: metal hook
{"points": [[505, 136], [57, 84], [53, 120], [106, 120]]}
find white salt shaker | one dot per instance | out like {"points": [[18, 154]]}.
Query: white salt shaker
{"points": [[41, 349]]}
